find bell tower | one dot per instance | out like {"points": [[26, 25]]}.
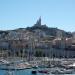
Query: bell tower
{"points": [[38, 23]]}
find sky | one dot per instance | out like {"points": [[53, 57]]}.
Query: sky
{"points": [[24, 13]]}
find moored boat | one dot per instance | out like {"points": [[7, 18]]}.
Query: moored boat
{"points": [[9, 73], [62, 71], [34, 72], [43, 71]]}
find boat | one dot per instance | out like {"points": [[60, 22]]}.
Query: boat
{"points": [[34, 72], [62, 71], [43, 71], [9, 73], [17, 66], [35, 66]]}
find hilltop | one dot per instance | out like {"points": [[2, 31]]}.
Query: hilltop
{"points": [[36, 29]]}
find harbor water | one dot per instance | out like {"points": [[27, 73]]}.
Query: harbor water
{"points": [[27, 72]]}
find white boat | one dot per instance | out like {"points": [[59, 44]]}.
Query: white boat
{"points": [[62, 71], [16, 66], [4, 61], [9, 73]]}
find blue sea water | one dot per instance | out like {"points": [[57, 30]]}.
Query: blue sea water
{"points": [[27, 72]]}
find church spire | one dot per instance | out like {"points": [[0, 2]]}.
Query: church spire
{"points": [[38, 23]]}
